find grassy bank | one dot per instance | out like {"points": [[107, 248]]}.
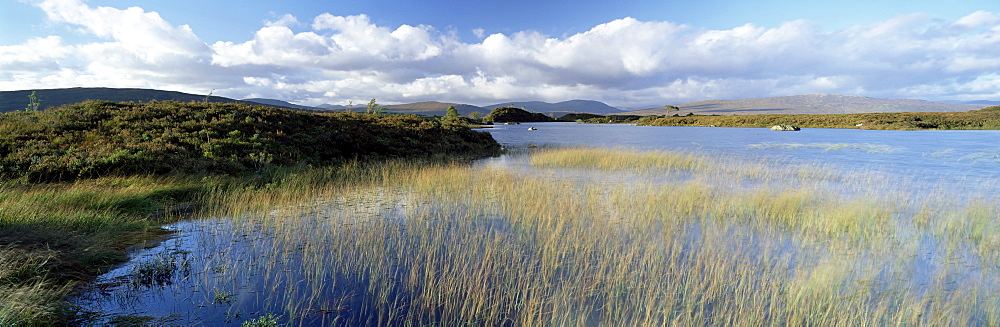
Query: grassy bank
{"points": [[986, 118], [610, 238], [81, 183], [55, 235]]}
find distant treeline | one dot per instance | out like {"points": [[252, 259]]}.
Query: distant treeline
{"points": [[986, 118], [599, 119], [98, 138]]}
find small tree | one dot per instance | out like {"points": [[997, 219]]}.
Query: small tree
{"points": [[374, 108], [208, 97], [452, 112], [474, 115], [371, 106], [33, 102]]}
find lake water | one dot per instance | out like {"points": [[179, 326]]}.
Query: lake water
{"points": [[959, 162]]}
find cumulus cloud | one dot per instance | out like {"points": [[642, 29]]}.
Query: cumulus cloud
{"points": [[142, 34], [36, 55], [625, 62], [137, 49]]}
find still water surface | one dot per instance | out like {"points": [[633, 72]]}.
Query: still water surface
{"points": [[961, 162], [934, 155]]}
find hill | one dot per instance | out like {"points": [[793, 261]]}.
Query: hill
{"points": [[18, 100], [980, 102], [432, 108], [331, 106], [98, 138], [280, 104], [561, 108], [807, 104]]}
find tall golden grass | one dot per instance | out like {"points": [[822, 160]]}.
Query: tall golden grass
{"points": [[457, 244]]}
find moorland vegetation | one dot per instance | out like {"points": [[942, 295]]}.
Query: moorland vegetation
{"points": [[982, 119], [81, 183], [100, 138], [712, 241]]}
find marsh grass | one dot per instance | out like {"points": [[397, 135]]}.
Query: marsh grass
{"points": [[864, 147], [399, 243], [160, 271], [53, 235], [26, 295], [631, 160]]}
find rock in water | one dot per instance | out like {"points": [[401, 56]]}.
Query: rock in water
{"points": [[785, 128]]}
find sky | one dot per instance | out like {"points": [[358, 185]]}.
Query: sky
{"points": [[627, 53]]}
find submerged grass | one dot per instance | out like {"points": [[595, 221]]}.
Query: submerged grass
{"points": [[400, 243]]}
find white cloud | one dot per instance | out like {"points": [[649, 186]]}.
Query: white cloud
{"points": [[980, 18], [143, 34], [624, 62], [139, 49], [286, 20], [38, 54]]}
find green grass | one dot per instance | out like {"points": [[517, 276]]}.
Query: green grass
{"points": [[54, 235]]}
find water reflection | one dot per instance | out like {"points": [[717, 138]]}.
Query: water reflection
{"points": [[322, 264]]}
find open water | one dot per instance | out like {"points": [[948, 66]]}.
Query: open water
{"points": [[960, 162]]}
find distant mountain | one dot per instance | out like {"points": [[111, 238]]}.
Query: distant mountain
{"points": [[431, 108], [560, 108], [18, 100], [331, 106], [981, 102], [279, 103], [807, 104]]}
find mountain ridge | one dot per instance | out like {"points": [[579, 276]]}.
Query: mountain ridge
{"points": [[569, 106], [18, 100], [279, 103], [815, 103], [434, 108]]}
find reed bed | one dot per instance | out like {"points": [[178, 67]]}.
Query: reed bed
{"points": [[397, 244]]}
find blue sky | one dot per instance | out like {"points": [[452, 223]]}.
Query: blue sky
{"points": [[626, 53]]}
